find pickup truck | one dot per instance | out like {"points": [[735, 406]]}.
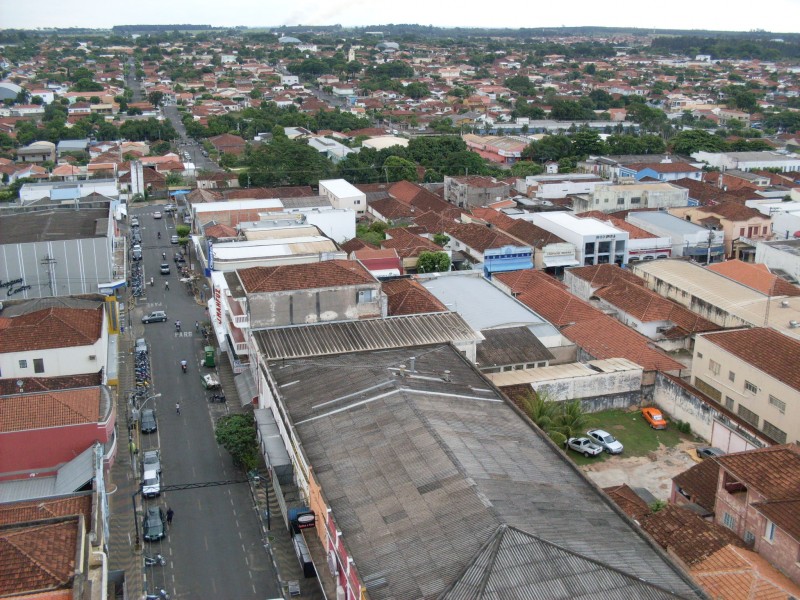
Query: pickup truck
{"points": [[584, 446]]}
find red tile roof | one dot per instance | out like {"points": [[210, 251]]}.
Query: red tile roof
{"points": [[40, 384], [47, 508], [36, 558], [56, 408], [700, 483], [773, 471], [409, 297], [51, 328], [408, 244], [479, 237], [733, 211], [756, 276], [629, 501], [602, 275], [759, 347], [326, 274], [354, 244], [686, 534], [391, 208]]}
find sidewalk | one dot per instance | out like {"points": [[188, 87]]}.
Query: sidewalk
{"points": [[277, 540], [122, 482]]}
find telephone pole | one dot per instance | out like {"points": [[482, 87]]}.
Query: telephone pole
{"points": [[47, 263]]}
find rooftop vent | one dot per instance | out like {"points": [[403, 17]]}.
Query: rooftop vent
{"points": [[784, 304], [793, 324]]}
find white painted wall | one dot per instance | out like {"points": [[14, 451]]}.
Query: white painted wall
{"points": [[57, 361]]}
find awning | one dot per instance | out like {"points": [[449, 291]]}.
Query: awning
{"points": [[108, 288], [560, 261], [246, 387]]}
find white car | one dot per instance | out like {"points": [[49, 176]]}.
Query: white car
{"points": [[157, 215], [584, 446], [151, 461], [151, 484], [609, 443]]}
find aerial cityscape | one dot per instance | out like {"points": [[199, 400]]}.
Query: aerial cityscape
{"points": [[446, 308]]}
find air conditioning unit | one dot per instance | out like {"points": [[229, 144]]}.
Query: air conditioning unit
{"points": [[92, 357], [784, 304], [793, 324]]}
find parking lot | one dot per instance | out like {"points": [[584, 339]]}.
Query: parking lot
{"points": [[651, 457]]}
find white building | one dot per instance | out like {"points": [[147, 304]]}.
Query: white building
{"points": [[783, 255], [687, 239], [548, 187], [632, 196], [289, 80], [597, 242], [71, 190], [343, 195], [748, 161]]}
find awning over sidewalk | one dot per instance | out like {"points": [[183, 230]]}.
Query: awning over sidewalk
{"points": [[246, 387], [560, 261]]}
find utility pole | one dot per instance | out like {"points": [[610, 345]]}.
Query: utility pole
{"points": [[47, 263]]}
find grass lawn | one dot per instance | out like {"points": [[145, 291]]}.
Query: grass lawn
{"points": [[632, 431]]}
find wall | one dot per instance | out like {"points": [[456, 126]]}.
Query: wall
{"points": [[620, 388], [776, 258], [733, 394], [58, 361], [339, 225], [312, 306]]}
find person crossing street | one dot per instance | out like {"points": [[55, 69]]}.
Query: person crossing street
{"points": [[170, 514], [178, 407]]}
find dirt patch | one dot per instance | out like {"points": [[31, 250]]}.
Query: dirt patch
{"points": [[653, 472]]}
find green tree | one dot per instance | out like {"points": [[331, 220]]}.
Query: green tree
{"points": [[155, 98], [551, 147], [433, 262], [237, 434], [525, 168], [571, 421], [694, 140], [400, 169], [587, 142]]}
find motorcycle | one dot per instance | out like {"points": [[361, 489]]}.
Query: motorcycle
{"points": [[183, 366], [161, 595], [218, 398], [157, 560]]}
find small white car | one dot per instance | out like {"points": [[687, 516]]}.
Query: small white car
{"points": [[157, 215], [609, 443], [584, 446], [151, 484]]}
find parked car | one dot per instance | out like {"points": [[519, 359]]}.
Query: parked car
{"points": [[585, 446], [151, 461], [709, 452], [654, 418], [157, 215], [609, 443], [134, 222], [169, 208], [151, 484], [165, 268], [155, 317], [174, 239], [154, 524], [136, 252], [147, 421], [141, 346]]}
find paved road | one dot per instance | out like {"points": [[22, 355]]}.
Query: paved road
{"points": [[214, 547]]}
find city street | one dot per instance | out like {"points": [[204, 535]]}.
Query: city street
{"points": [[214, 546]]}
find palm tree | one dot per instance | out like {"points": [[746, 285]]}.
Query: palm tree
{"points": [[571, 421], [540, 409]]}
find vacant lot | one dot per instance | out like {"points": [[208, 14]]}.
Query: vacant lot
{"points": [[651, 458]]}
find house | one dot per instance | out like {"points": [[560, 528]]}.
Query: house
{"points": [[343, 195], [408, 246], [309, 293], [752, 372], [737, 221], [53, 342], [661, 171], [474, 190], [37, 152], [381, 263], [41, 431], [490, 247], [228, 143], [631, 196], [756, 495], [408, 297]]}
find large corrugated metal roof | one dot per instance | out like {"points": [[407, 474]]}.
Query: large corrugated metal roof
{"points": [[341, 337], [427, 469]]}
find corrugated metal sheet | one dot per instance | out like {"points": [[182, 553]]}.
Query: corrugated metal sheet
{"points": [[341, 337]]}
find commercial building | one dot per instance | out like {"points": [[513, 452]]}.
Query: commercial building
{"points": [[685, 238], [631, 196], [596, 242], [342, 194], [748, 161]]}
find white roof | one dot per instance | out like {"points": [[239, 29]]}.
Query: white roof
{"points": [[210, 207], [587, 226], [268, 248], [340, 188]]}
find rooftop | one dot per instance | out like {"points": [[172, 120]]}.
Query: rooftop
{"points": [[51, 328], [437, 483], [54, 225], [326, 274], [580, 226]]}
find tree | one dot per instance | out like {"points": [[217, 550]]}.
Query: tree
{"points": [[400, 169], [551, 147], [694, 140], [237, 434], [526, 168], [587, 142], [417, 90], [441, 239], [174, 179], [155, 98], [433, 262], [571, 420]]}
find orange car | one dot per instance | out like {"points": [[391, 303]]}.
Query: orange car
{"points": [[654, 418]]}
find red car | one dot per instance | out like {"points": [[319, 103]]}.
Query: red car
{"points": [[654, 418]]}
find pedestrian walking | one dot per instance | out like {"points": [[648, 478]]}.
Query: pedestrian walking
{"points": [[170, 514], [178, 407], [166, 286], [197, 326]]}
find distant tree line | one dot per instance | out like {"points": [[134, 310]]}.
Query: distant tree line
{"points": [[729, 47]]}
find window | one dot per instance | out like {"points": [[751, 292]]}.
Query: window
{"points": [[749, 537], [713, 366], [365, 296], [38, 365], [779, 404], [728, 402], [750, 387], [764, 230], [773, 432], [731, 376], [769, 531], [23, 364], [620, 201], [741, 231], [728, 521], [699, 355], [636, 200], [748, 415]]}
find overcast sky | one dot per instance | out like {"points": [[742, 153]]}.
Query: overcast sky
{"points": [[770, 15]]}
